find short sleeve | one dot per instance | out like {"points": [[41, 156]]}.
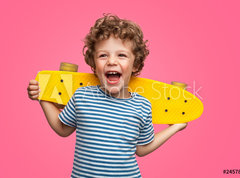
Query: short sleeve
{"points": [[68, 114], [146, 134]]}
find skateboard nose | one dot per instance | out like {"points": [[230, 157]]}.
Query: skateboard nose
{"points": [[64, 66], [179, 84]]}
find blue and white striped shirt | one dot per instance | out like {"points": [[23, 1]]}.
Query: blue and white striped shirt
{"points": [[107, 132]]}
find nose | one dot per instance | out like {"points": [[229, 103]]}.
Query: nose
{"points": [[112, 60]]}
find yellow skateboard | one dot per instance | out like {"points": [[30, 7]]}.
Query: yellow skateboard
{"points": [[171, 104]]}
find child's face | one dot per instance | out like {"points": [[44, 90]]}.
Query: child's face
{"points": [[114, 65]]}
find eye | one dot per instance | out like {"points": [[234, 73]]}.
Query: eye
{"points": [[102, 55], [122, 55]]}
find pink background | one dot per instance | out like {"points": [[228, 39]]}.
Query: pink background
{"points": [[189, 41]]}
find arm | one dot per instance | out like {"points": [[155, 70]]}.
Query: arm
{"points": [[159, 139], [50, 110]]}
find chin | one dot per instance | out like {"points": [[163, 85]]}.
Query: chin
{"points": [[113, 90]]}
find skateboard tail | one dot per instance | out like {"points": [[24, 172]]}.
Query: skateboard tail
{"points": [[170, 104]]}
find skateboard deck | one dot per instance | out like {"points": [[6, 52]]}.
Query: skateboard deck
{"points": [[170, 104]]}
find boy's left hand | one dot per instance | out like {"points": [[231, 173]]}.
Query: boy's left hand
{"points": [[180, 126]]}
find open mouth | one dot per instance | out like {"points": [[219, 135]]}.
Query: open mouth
{"points": [[113, 77]]}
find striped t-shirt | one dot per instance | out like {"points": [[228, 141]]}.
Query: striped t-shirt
{"points": [[108, 130]]}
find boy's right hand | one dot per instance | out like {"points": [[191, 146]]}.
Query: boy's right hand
{"points": [[33, 90]]}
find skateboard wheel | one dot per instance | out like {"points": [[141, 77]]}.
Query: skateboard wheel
{"points": [[64, 66], [179, 84]]}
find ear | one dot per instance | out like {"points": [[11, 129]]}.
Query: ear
{"points": [[135, 68], [93, 69]]}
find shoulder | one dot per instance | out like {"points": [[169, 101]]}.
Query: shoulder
{"points": [[142, 99], [85, 91], [144, 102]]}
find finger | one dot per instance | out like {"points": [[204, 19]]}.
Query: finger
{"points": [[35, 97], [32, 93], [33, 87], [32, 96], [33, 82]]}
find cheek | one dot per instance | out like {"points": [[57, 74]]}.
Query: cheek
{"points": [[129, 66], [99, 67]]}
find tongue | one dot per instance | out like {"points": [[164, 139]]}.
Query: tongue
{"points": [[113, 77]]}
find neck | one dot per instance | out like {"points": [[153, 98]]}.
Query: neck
{"points": [[123, 94]]}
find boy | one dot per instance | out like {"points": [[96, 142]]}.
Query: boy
{"points": [[111, 123]]}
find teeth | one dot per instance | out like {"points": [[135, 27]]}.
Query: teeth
{"points": [[111, 72]]}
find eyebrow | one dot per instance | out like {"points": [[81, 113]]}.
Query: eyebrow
{"points": [[101, 50]]}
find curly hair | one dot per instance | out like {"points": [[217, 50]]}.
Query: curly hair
{"points": [[125, 30]]}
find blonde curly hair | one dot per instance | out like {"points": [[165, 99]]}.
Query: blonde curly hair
{"points": [[125, 30]]}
